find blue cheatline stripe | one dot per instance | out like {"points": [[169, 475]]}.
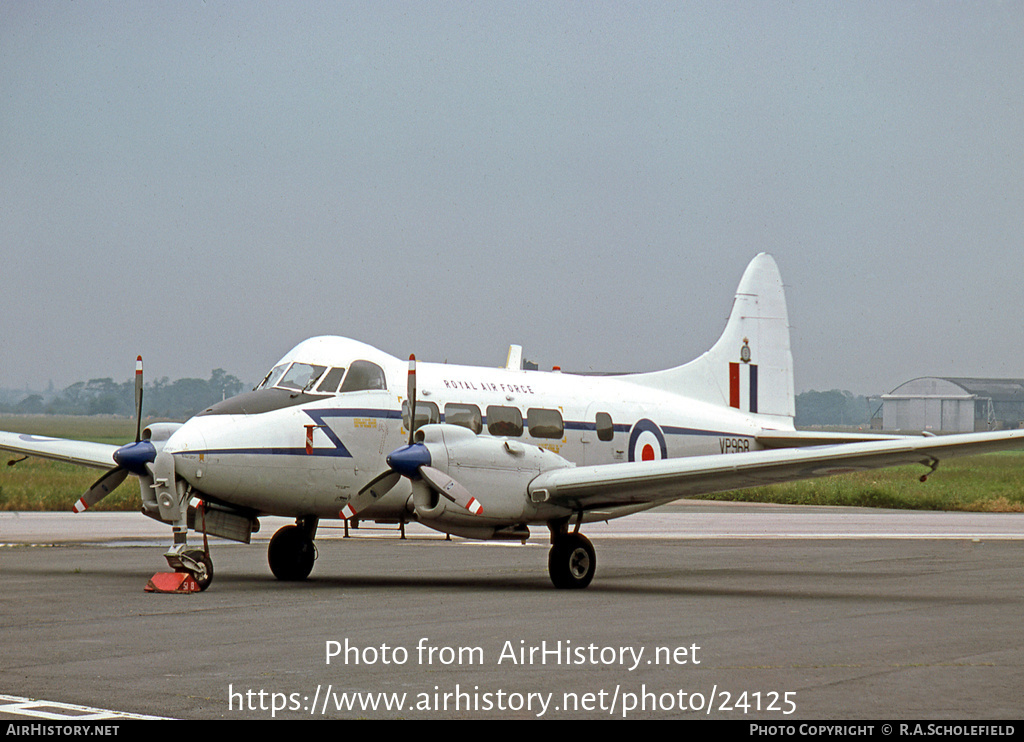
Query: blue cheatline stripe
{"points": [[753, 387], [272, 451], [339, 450], [694, 431], [354, 412], [570, 425]]}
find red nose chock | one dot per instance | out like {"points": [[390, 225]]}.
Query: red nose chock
{"points": [[172, 582]]}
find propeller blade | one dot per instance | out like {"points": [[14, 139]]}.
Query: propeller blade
{"points": [[103, 487], [379, 486], [411, 395], [449, 488], [138, 399]]}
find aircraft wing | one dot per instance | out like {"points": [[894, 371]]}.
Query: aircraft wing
{"points": [[797, 438], [84, 453], [616, 485]]}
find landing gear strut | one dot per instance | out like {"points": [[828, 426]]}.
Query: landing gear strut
{"points": [[196, 562], [571, 561], [292, 552]]}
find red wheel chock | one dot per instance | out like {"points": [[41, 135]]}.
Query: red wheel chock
{"points": [[172, 582]]}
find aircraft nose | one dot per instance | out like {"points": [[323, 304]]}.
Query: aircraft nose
{"points": [[408, 459], [187, 445], [135, 456], [190, 437]]}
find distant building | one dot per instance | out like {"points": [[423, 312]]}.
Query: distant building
{"points": [[954, 405]]}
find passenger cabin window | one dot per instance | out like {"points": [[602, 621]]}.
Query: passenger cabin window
{"points": [[301, 376], [605, 429], [331, 380], [544, 423], [427, 413], [504, 421], [363, 375], [466, 415]]}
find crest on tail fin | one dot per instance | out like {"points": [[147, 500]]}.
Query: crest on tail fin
{"points": [[750, 368]]}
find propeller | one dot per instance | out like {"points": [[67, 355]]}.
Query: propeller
{"points": [[130, 459], [138, 398], [412, 461], [103, 487], [381, 484], [449, 488], [410, 394]]}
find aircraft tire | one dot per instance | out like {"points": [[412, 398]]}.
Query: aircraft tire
{"points": [[204, 578], [571, 562], [291, 554]]}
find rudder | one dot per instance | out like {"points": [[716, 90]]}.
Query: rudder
{"points": [[750, 368]]}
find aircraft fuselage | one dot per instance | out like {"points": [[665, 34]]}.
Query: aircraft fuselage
{"points": [[309, 454]]}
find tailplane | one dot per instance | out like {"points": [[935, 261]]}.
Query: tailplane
{"points": [[750, 368]]}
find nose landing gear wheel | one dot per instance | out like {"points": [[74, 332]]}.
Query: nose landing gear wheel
{"points": [[571, 561], [291, 554], [203, 574]]}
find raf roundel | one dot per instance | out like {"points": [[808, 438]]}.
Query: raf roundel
{"points": [[646, 442]]}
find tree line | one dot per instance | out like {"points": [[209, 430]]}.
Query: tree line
{"points": [[834, 407], [177, 399]]}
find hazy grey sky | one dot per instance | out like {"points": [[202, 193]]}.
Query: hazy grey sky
{"points": [[208, 183]]}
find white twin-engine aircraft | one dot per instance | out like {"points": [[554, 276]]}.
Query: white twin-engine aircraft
{"points": [[339, 429]]}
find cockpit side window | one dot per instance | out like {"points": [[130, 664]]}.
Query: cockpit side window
{"points": [[301, 376], [331, 380], [363, 375], [274, 376]]}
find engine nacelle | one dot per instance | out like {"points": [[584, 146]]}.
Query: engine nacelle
{"points": [[159, 432], [496, 471]]}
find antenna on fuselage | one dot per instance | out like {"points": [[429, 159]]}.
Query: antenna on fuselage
{"points": [[514, 362]]}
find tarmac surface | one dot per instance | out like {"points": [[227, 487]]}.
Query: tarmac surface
{"points": [[697, 611]]}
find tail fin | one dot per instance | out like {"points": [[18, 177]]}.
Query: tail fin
{"points": [[750, 368]]}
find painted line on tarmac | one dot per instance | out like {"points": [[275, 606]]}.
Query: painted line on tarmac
{"points": [[67, 712]]}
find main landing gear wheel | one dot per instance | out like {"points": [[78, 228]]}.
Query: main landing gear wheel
{"points": [[571, 561], [203, 571], [291, 554]]}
